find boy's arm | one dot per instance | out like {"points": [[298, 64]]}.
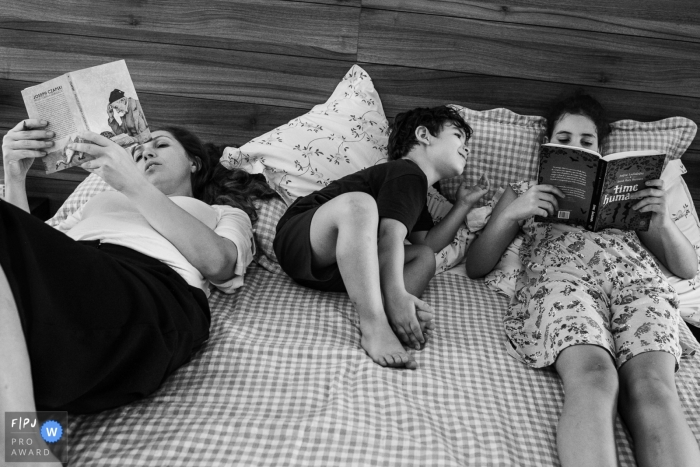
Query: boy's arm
{"points": [[444, 232], [399, 304], [664, 239]]}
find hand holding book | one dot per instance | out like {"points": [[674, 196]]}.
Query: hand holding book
{"points": [[27, 141], [539, 200], [599, 190], [113, 163], [653, 199]]}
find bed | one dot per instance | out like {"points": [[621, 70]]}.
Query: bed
{"points": [[283, 379]]}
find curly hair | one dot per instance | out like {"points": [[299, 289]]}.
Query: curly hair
{"points": [[579, 103], [215, 184], [403, 131]]}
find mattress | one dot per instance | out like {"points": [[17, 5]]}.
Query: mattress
{"points": [[283, 381]]}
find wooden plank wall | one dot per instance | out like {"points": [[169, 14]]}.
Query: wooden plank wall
{"points": [[233, 69]]}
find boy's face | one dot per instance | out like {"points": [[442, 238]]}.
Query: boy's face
{"points": [[450, 150]]}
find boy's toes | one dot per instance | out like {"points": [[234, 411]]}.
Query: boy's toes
{"points": [[402, 360]]}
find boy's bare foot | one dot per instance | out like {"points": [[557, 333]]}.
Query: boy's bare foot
{"points": [[382, 345]]}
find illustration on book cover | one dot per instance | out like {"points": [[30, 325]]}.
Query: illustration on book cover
{"points": [[101, 99]]}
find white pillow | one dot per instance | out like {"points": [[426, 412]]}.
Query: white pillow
{"points": [[347, 133]]}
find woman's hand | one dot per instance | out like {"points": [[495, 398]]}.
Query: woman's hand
{"points": [[110, 161], [539, 200], [21, 145], [653, 199]]}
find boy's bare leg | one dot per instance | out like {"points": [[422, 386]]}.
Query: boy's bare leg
{"points": [[344, 231], [419, 269], [585, 434], [653, 413]]}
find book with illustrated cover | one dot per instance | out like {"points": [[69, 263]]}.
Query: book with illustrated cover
{"points": [[598, 188], [101, 99]]}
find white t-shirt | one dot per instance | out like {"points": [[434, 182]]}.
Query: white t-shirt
{"points": [[111, 218]]}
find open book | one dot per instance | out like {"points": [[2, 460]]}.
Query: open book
{"points": [[101, 99], [598, 188]]}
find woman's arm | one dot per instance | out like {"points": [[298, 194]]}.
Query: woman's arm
{"points": [[20, 146], [663, 238], [213, 256], [486, 250]]}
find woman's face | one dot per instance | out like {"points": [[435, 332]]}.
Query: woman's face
{"points": [[165, 164], [576, 130]]}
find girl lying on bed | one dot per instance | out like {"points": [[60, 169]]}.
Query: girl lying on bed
{"points": [[104, 310], [596, 306]]}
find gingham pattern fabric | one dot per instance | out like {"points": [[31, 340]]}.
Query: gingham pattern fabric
{"points": [[283, 381], [504, 146], [672, 135], [264, 229], [88, 188]]}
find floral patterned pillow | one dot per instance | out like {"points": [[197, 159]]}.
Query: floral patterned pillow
{"points": [[347, 133], [672, 135]]}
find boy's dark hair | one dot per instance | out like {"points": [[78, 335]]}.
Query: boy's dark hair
{"points": [[580, 103], [403, 131]]}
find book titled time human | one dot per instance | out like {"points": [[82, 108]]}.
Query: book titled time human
{"points": [[101, 99], [598, 189]]}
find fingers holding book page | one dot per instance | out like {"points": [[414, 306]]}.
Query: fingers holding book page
{"points": [[113, 163], [25, 142], [539, 200], [653, 199]]}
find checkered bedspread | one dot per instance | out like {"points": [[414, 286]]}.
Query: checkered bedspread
{"points": [[283, 381]]}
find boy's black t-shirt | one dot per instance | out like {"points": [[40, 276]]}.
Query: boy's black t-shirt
{"points": [[399, 187]]}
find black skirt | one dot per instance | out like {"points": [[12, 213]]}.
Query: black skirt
{"points": [[104, 325]]}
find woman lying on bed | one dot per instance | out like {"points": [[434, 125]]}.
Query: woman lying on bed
{"points": [[98, 313], [596, 307]]}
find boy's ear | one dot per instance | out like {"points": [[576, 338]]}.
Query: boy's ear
{"points": [[423, 134]]}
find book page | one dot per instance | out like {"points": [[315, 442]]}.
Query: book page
{"points": [[623, 155], [55, 102], [574, 172]]}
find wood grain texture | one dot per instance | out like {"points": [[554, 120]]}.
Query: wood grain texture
{"points": [[179, 70], [531, 52], [670, 19], [691, 160], [273, 26], [233, 69]]}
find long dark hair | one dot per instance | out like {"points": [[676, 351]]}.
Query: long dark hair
{"points": [[215, 184]]}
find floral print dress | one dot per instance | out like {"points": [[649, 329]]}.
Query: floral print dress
{"points": [[581, 287]]}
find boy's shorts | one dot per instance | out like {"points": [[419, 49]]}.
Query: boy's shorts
{"points": [[292, 246]]}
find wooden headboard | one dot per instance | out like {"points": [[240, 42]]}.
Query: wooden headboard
{"points": [[233, 69]]}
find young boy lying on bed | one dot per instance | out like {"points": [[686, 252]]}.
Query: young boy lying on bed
{"points": [[349, 236]]}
